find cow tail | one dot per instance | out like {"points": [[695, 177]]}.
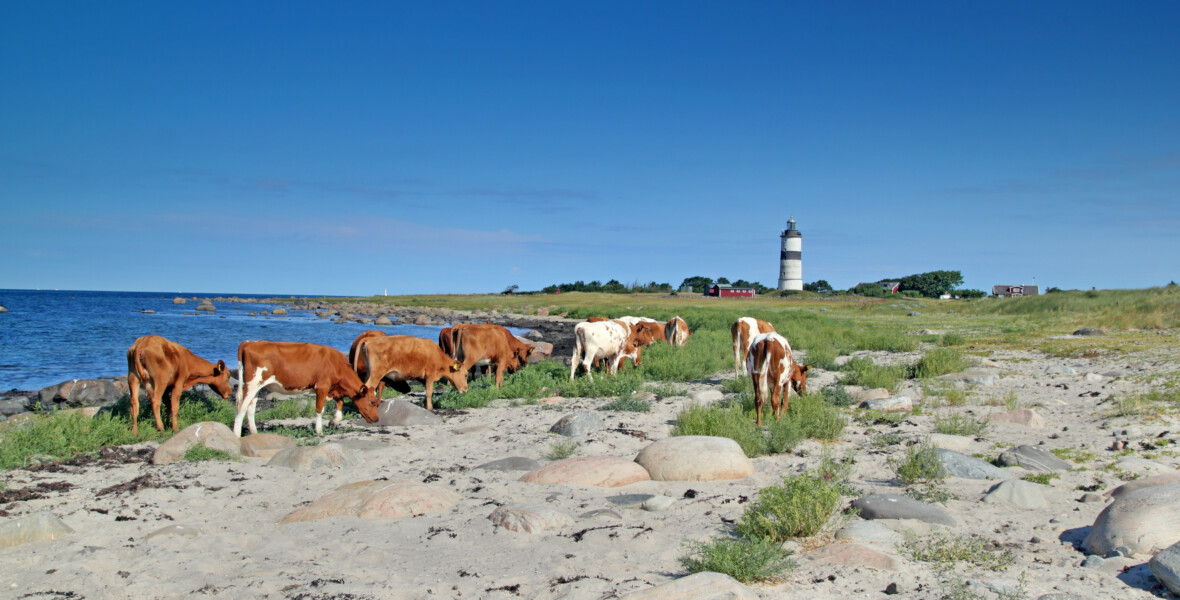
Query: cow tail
{"points": [[457, 345]]}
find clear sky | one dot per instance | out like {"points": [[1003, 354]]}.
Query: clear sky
{"points": [[452, 147]]}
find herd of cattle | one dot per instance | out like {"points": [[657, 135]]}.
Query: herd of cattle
{"points": [[163, 366]]}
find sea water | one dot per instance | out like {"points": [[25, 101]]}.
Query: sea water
{"points": [[51, 336]]}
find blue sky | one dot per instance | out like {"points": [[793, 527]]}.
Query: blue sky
{"points": [[455, 147]]}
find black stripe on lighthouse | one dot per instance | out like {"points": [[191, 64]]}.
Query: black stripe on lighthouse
{"points": [[791, 255]]}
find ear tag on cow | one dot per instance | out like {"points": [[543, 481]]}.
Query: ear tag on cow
{"points": [[455, 367]]}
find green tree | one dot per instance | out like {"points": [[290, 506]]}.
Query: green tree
{"points": [[932, 284], [821, 286], [697, 283]]}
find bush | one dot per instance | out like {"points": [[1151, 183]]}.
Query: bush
{"points": [[837, 396], [799, 507], [865, 373], [952, 339], [814, 418], [560, 449], [957, 424], [729, 422], [822, 357], [628, 404], [747, 561], [939, 361], [920, 464]]}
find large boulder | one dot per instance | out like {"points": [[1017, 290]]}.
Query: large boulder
{"points": [[210, 434], [968, 467], [38, 527], [265, 445], [601, 471], [376, 500], [1032, 458], [1165, 565], [848, 555], [85, 392], [1138, 484], [698, 586], [383, 321], [306, 458], [401, 413], [529, 518], [894, 506], [578, 424], [1145, 521], [1025, 416], [14, 405], [280, 311], [179, 300], [1017, 493], [695, 458]]}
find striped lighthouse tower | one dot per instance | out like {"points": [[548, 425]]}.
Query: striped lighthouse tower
{"points": [[790, 264]]}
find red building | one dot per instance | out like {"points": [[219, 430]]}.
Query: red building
{"points": [[727, 291]]}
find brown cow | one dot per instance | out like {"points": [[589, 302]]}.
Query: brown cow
{"points": [[300, 366], [772, 366], [162, 366], [402, 358], [744, 330], [676, 331], [479, 345]]}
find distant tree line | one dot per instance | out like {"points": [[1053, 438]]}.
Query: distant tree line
{"points": [[613, 286], [699, 283]]}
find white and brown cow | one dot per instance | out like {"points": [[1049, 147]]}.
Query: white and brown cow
{"points": [[403, 358], [772, 369], [676, 332], [300, 366], [744, 330], [165, 366], [611, 341]]}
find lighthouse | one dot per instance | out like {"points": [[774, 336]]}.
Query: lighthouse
{"points": [[790, 264]]}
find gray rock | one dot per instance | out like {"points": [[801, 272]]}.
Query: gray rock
{"points": [[400, 413], [1165, 565], [658, 504], [1060, 370], [1093, 561], [14, 405], [306, 458], [630, 500], [210, 434], [2, 309], [383, 320], [534, 335], [578, 424], [512, 463], [529, 518], [914, 313], [1145, 521], [601, 512], [38, 527], [695, 458], [85, 392], [1089, 331], [900, 403], [1017, 493], [1092, 497], [1032, 458], [968, 467], [174, 531], [893, 506], [861, 530]]}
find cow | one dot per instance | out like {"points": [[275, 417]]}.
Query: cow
{"points": [[772, 368], [301, 366], [656, 327], [165, 366], [609, 340], [744, 330], [403, 358], [487, 345], [646, 332], [676, 332]]}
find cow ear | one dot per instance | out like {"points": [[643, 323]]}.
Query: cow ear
{"points": [[529, 352], [219, 368], [805, 368], [364, 389]]}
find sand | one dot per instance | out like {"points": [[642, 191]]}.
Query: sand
{"points": [[229, 544]]}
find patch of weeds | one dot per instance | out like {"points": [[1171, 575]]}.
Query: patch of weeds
{"points": [[952, 339], [865, 373], [880, 417], [664, 389], [1011, 402], [628, 404], [947, 550], [199, 452], [920, 464], [1073, 454], [728, 422], [822, 357], [885, 440], [931, 491], [798, 507], [563, 448], [737, 385], [747, 561], [293, 408], [957, 424], [939, 361], [1041, 478], [837, 396], [1137, 405]]}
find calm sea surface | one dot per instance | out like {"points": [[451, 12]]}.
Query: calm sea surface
{"points": [[50, 336]]}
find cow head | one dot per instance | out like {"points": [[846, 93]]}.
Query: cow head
{"points": [[646, 333], [367, 403], [457, 375], [220, 383], [799, 378]]}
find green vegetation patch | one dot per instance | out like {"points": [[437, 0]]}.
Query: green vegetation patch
{"points": [[919, 464], [748, 561], [200, 452], [957, 424], [628, 404], [948, 550]]}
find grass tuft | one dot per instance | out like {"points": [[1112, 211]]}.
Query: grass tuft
{"points": [[747, 561], [920, 464]]}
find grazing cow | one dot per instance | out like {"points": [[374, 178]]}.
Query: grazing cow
{"points": [[744, 330], [772, 367], [301, 366], [656, 327], [404, 358], [597, 319], [163, 365], [647, 332], [487, 345], [608, 340], [676, 332]]}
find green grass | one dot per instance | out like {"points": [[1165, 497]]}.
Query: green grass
{"points": [[919, 464], [798, 507], [295, 408], [560, 449], [948, 551], [866, 373], [62, 436], [876, 416], [952, 339], [938, 361], [200, 452], [628, 404], [1041, 478], [748, 561], [806, 417], [837, 396], [957, 424], [730, 422], [705, 354]]}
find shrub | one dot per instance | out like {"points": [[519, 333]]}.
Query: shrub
{"points": [[560, 449], [837, 396], [729, 422], [952, 339], [875, 416], [747, 561], [1041, 478], [799, 507], [939, 361], [948, 550], [920, 463], [737, 385], [628, 404], [782, 435], [865, 373], [814, 418]]}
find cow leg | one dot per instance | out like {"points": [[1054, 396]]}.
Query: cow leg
{"points": [[576, 359], [178, 388], [157, 398], [133, 387], [499, 374], [759, 398], [429, 392], [321, 398], [339, 416], [776, 401], [248, 397]]}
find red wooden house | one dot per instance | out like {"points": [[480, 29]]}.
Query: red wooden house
{"points": [[721, 290]]}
